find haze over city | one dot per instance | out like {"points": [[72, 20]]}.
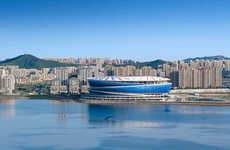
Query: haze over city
{"points": [[131, 29]]}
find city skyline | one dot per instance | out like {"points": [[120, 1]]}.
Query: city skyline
{"points": [[78, 58], [130, 29], [114, 74]]}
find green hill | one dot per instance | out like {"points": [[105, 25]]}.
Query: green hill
{"points": [[154, 64], [29, 61], [218, 57]]}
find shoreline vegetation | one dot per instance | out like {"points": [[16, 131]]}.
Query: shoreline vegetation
{"points": [[198, 101]]}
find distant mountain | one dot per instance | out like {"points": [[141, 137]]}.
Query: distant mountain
{"points": [[218, 57], [28, 61], [154, 64]]}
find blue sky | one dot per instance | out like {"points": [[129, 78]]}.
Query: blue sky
{"points": [[127, 29]]}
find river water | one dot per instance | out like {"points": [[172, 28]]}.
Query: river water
{"points": [[67, 125]]}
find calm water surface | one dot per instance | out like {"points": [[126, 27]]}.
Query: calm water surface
{"points": [[66, 125]]}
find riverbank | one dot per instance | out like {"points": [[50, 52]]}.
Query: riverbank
{"points": [[3, 97], [197, 101], [49, 97], [146, 102], [201, 91]]}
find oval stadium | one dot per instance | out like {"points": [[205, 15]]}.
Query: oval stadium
{"points": [[118, 87]]}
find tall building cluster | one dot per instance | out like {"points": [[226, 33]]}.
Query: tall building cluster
{"points": [[200, 74], [85, 72], [90, 61], [226, 65], [33, 76], [73, 80], [63, 83], [10, 76], [7, 81], [193, 74], [129, 71]]}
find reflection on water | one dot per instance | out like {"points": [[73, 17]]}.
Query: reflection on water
{"points": [[65, 110], [119, 116], [7, 108], [57, 125], [61, 111]]}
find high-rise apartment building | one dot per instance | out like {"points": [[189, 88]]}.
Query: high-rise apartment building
{"points": [[129, 71], [203, 74], [226, 65], [7, 82]]}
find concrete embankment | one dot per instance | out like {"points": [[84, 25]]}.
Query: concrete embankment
{"points": [[201, 91], [209, 95], [200, 103]]}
